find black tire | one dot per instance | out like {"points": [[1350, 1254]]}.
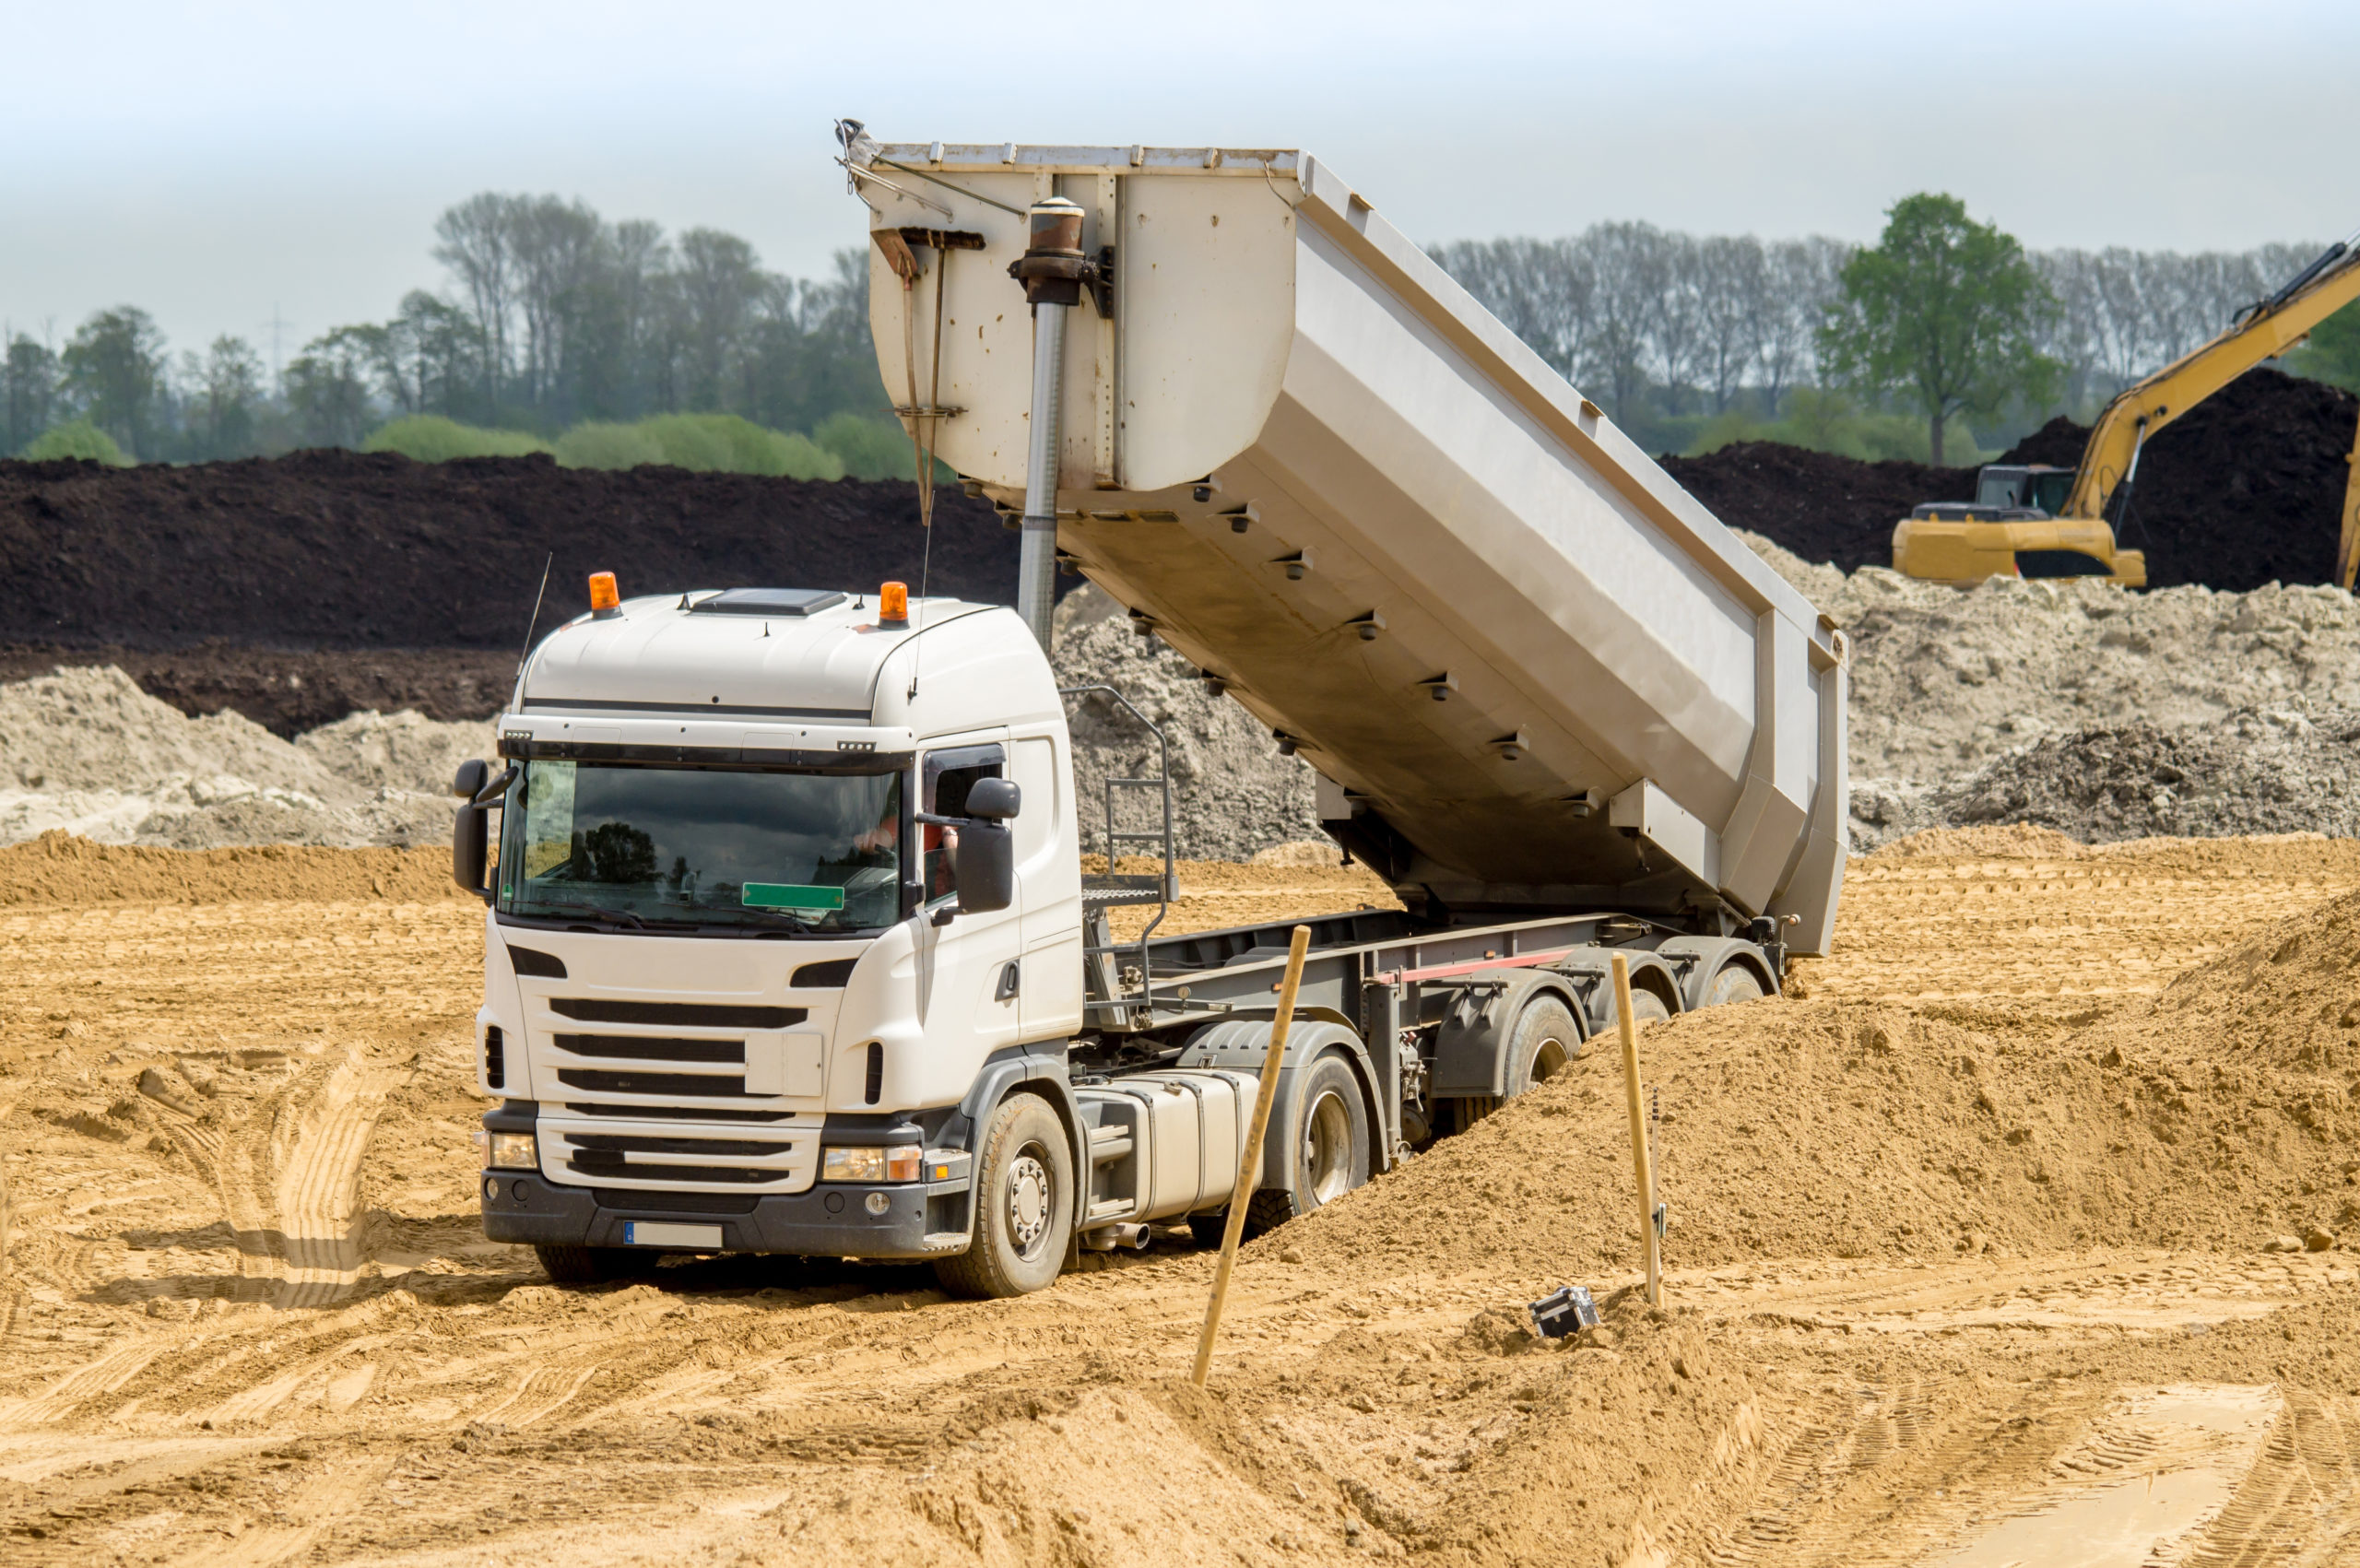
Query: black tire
{"points": [[1543, 1044], [591, 1265], [1645, 1007], [1329, 1126], [1735, 983], [1023, 1208], [1207, 1230]]}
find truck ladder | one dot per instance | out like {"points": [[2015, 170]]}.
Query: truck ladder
{"points": [[1111, 888]]}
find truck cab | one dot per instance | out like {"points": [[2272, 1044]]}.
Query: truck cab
{"points": [[737, 987]]}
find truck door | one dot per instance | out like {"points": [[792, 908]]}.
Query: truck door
{"points": [[976, 957], [1048, 882]]}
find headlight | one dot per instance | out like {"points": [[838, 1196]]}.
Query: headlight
{"points": [[514, 1152], [868, 1162]]}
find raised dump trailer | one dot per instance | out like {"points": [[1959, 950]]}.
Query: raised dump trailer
{"points": [[789, 949], [1536, 672]]}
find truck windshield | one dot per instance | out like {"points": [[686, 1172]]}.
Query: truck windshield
{"points": [[651, 847]]}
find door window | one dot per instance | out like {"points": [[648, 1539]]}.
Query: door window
{"points": [[949, 774]]}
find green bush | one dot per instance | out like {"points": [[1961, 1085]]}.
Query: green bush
{"points": [[869, 448], [600, 446], [430, 438], [76, 437], [724, 443], [1826, 421]]}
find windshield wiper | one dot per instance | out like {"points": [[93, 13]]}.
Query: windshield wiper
{"points": [[622, 916]]}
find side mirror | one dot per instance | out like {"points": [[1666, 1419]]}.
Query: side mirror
{"points": [[474, 774], [987, 862], [471, 845], [994, 800]]}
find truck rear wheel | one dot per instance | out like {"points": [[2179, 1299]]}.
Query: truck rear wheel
{"points": [[1023, 1204], [1330, 1148], [1738, 982], [1545, 1042]]}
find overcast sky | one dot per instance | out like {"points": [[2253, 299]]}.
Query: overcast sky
{"points": [[217, 163]]}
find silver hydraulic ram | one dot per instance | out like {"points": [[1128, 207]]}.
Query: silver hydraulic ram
{"points": [[1052, 270]]}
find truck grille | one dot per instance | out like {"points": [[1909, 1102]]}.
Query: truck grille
{"points": [[624, 1158], [644, 1048], [694, 1015], [669, 1084], [675, 1113]]}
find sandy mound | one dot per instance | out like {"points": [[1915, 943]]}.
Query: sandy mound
{"points": [[57, 868], [2015, 840], [2100, 713], [1304, 852], [2218, 1113], [87, 751]]}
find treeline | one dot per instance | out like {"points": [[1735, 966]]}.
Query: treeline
{"points": [[551, 317], [559, 330], [1690, 339]]}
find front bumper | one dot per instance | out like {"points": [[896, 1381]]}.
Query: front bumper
{"points": [[921, 1220]]}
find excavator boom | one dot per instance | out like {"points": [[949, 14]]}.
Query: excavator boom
{"points": [[2270, 328]]}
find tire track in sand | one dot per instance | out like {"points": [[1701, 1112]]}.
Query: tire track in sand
{"points": [[288, 1176]]}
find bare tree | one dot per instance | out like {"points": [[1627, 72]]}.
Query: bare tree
{"points": [[1540, 289], [1628, 263], [477, 241], [1732, 306], [556, 250]]}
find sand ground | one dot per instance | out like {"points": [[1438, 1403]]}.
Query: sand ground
{"points": [[1972, 1262]]}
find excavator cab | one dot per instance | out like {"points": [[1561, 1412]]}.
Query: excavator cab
{"points": [[2010, 529], [2039, 485]]}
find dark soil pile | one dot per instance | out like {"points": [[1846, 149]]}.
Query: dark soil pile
{"points": [[1823, 507], [289, 692], [340, 549], [2247, 489]]}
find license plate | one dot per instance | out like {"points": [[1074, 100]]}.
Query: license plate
{"points": [[652, 1233]]}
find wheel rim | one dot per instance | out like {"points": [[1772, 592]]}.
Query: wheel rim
{"points": [[1550, 1059], [1031, 1199], [1328, 1148], [1737, 983]]}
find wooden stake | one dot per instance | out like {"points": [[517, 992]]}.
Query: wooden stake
{"points": [[1639, 1161], [1249, 1164]]}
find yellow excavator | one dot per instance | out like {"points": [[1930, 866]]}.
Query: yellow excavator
{"points": [[2032, 520]]}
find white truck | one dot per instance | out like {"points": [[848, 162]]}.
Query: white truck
{"points": [[788, 943]]}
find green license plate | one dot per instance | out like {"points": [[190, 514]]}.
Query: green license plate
{"points": [[790, 895]]}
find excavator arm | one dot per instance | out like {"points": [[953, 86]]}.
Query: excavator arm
{"points": [[2271, 327], [2347, 544]]}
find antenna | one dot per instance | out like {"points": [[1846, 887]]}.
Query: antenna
{"points": [[526, 652], [276, 326]]}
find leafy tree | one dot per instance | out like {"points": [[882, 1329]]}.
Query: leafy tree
{"points": [[1945, 311], [225, 395], [114, 371], [328, 387], [27, 391]]}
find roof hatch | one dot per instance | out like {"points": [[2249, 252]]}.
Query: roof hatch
{"points": [[769, 601]]}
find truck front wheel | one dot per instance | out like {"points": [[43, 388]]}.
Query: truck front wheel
{"points": [[1330, 1148], [1024, 1196]]}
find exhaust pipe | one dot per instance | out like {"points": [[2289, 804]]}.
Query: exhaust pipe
{"points": [[1124, 1236], [1052, 270]]}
